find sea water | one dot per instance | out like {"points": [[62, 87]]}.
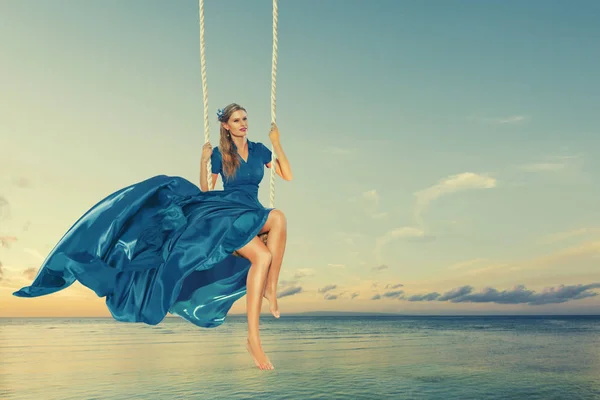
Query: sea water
{"points": [[369, 357]]}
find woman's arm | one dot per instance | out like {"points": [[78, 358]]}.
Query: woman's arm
{"points": [[206, 153], [282, 164], [203, 176]]}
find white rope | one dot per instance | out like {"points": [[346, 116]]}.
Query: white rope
{"points": [[273, 94], [273, 101], [204, 87]]}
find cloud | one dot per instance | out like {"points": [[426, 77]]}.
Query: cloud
{"points": [[289, 288], [1, 271], [394, 294], [373, 201], [451, 184], [6, 241], [380, 268], [354, 295], [391, 286], [330, 296], [289, 291], [518, 295], [336, 265], [30, 273], [372, 196], [509, 120], [424, 297], [327, 288], [543, 167], [34, 253], [456, 293], [405, 232], [552, 164], [513, 119], [293, 286], [304, 272]]}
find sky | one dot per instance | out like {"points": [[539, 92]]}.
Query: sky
{"points": [[445, 153]]}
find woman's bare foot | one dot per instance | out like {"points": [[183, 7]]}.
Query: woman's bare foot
{"points": [[273, 307], [250, 351], [259, 357]]}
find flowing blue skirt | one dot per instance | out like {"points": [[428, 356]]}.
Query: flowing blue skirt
{"points": [[158, 246]]}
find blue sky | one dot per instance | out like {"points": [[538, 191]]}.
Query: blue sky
{"points": [[438, 147]]}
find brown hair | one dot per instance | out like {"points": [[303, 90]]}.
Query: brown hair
{"points": [[228, 151]]}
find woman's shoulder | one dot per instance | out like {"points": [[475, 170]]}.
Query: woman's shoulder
{"points": [[258, 144], [216, 152]]}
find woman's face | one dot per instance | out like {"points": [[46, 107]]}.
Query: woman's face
{"points": [[237, 124]]}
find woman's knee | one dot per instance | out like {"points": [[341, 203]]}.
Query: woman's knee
{"points": [[278, 218], [256, 252], [263, 257]]}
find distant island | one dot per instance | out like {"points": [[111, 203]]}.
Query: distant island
{"points": [[382, 314]]}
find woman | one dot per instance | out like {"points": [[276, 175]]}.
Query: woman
{"points": [[162, 245]]}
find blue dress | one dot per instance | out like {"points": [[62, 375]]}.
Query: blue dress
{"points": [[162, 245]]}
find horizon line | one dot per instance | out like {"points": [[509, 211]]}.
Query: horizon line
{"points": [[338, 313]]}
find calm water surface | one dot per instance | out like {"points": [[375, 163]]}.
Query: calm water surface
{"points": [[315, 358]]}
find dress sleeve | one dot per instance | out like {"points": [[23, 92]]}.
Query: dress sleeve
{"points": [[266, 154], [216, 161]]}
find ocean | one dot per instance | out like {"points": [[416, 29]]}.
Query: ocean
{"points": [[316, 357]]}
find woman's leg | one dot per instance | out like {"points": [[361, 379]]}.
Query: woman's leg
{"points": [[260, 258], [276, 226]]}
